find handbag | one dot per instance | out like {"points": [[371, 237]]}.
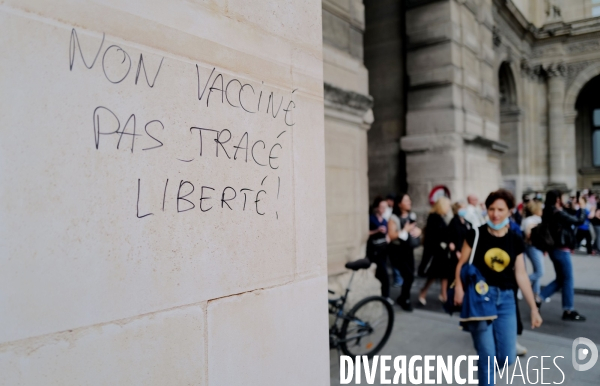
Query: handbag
{"points": [[476, 306], [449, 305], [541, 238]]}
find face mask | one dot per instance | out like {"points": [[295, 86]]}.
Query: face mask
{"points": [[497, 227], [462, 212]]}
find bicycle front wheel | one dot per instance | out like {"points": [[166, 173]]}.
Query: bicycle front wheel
{"points": [[367, 327]]}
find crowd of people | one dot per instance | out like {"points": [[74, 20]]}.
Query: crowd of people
{"points": [[494, 237]]}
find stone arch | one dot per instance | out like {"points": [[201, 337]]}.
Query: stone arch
{"points": [[507, 87], [573, 90], [505, 59], [509, 115], [587, 133]]}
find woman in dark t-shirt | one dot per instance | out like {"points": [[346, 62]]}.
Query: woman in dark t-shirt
{"points": [[499, 258]]}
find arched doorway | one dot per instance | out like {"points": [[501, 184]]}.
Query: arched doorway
{"points": [[587, 135], [510, 115]]}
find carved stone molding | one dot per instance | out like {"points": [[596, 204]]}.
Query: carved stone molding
{"points": [[555, 69], [533, 72], [349, 101], [580, 47], [496, 37], [573, 69]]}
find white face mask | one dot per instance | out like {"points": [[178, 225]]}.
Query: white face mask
{"points": [[497, 227]]}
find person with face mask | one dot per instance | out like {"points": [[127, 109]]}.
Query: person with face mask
{"points": [[377, 244], [498, 256], [405, 237]]}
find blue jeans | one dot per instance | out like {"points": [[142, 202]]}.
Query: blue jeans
{"points": [[497, 339], [564, 279], [397, 277], [537, 260]]}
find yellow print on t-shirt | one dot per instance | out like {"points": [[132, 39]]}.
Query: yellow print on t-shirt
{"points": [[497, 259]]}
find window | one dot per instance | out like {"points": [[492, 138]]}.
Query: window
{"points": [[596, 137], [595, 11]]}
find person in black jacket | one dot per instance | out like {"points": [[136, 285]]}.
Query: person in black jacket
{"points": [[561, 227], [436, 259], [458, 229]]}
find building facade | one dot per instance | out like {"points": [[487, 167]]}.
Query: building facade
{"points": [[471, 94]]}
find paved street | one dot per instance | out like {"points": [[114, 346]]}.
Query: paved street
{"points": [[428, 330]]}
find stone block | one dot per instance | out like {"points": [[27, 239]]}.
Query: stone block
{"points": [[429, 58], [419, 18], [431, 166], [470, 30], [336, 31], [344, 71], [342, 143], [484, 13], [488, 76], [487, 52], [443, 75], [162, 348], [340, 192], [473, 124], [431, 142], [447, 96], [471, 74], [356, 43], [260, 338], [443, 120], [471, 101]]}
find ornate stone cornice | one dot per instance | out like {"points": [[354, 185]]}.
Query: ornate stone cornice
{"points": [[585, 46], [349, 101], [497, 146], [555, 69], [533, 72], [557, 28]]}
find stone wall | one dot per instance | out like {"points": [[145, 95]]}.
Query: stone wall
{"points": [[163, 193], [452, 133], [348, 116]]}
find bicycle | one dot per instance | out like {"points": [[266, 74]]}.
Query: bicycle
{"points": [[366, 328]]}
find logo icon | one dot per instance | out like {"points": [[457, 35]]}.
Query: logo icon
{"points": [[496, 259], [482, 288], [580, 354]]}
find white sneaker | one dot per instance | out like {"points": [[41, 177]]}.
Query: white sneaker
{"points": [[521, 350]]}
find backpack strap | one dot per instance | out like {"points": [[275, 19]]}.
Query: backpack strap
{"points": [[474, 245]]}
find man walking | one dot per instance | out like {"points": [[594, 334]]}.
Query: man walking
{"points": [[474, 215]]}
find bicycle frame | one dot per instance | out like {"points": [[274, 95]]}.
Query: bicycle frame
{"points": [[338, 309]]}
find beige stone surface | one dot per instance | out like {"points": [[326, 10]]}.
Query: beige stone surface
{"points": [[163, 348], [270, 337], [91, 232], [346, 128]]}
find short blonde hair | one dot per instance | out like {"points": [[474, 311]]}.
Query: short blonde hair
{"points": [[535, 207], [441, 206]]}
